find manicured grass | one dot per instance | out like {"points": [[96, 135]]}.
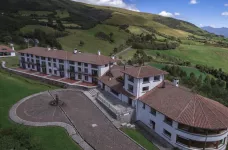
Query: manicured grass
{"points": [[197, 54], [93, 44], [139, 138], [31, 28], [11, 62], [12, 89]]}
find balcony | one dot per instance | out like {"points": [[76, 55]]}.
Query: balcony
{"points": [[201, 134]]}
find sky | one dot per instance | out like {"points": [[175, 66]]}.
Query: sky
{"points": [[212, 13]]}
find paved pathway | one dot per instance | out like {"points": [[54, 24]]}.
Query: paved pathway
{"points": [[85, 123]]}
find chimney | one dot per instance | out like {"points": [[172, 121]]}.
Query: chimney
{"points": [[99, 53], [113, 57], [48, 48], [13, 48], [176, 82], [75, 51], [54, 48]]}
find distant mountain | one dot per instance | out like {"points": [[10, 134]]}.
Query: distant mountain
{"points": [[218, 31]]}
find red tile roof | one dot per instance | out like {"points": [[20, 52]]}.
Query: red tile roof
{"points": [[143, 71], [5, 49], [61, 54], [114, 74], [188, 108]]}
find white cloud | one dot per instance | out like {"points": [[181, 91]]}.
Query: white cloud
{"points": [[177, 14], [169, 14], [225, 13], [201, 25], [226, 5], [193, 2], [166, 14], [112, 3]]}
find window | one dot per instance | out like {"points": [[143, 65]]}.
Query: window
{"points": [[157, 78], [94, 66], [49, 64], [106, 65], [42, 58], [71, 62], [27, 55], [79, 77], [61, 67], [86, 70], [61, 61], [50, 71], [167, 133], [85, 65], [72, 69], [144, 106], [152, 124], [114, 92], [146, 80], [37, 57], [79, 69], [55, 72], [54, 60], [145, 88], [79, 64], [54, 64], [33, 67], [22, 54], [86, 78], [130, 88], [168, 121], [131, 79], [28, 60], [28, 65], [153, 111], [31, 55], [49, 59], [32, 60]]}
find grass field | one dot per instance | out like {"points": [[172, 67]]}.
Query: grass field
{"points": [[139, 138], [197, 54], [12, 89], [31, 28], [62, 14], [11, 62], [188, 70], [93, 44]]}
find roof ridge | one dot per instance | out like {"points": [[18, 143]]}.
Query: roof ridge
{"points": [[139, 71], [204, 113], [214, 113], [184, 109], [194, 112]]}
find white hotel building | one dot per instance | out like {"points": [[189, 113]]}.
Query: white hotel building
{"points": [[74, 65], [184, 119]]}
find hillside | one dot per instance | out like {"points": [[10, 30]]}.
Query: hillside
{"points": [[218, 31]]}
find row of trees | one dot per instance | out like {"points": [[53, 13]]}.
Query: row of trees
{"points": [[210, 87], [150, 41]]}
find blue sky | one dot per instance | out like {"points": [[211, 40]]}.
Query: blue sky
{"points": [[200, 12]]}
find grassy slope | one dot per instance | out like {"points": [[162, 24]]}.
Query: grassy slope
{"points": [[138, 137], [93, 44], [206, 55], [31, 28], [14, 88]]}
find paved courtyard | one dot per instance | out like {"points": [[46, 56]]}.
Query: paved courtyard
{"points": [[79, 112]]}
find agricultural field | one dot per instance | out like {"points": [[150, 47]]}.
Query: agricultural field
{"points": [[93, 44], [31, 28], [197, 54], [188, 70], [22, 87], [38, 13]]}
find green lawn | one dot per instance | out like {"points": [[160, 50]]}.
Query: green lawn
{"points": [[188, 70], [197, 54], [11, 62], [12, 89], [139, 138], [93, 44]]}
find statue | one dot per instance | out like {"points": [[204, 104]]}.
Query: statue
{"points": [[56, 101]]}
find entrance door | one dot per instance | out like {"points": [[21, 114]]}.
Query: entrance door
{"points": [[23, 66], [72, 76], [130, 101], [44, 70], [38, 67], [94, 80], [61, 74]]}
